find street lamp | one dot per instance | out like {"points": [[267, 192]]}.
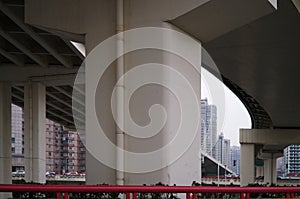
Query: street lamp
{"points": [[218, 173]]}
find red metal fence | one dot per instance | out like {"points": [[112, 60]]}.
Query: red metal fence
{"points": [[133, 191]]}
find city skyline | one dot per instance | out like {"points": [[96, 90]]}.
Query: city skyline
{"points": [[235, 115]]}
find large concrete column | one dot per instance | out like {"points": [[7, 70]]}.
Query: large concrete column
{"points": [[5, 135], [34, 135], [270, 172], [247, 164]]}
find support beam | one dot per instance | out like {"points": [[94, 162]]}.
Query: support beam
{"points": [[22, 48], [18, 97], [65, 103], [247, 164], [59, 116], [34, 136], [5, 136], [65, 35], [279, 137], [66, 112], [11, 57], [74, 49], [33, 34], [53, 106], [69, 95]]}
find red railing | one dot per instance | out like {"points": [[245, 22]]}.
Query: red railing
{"points": [[190, 191]]}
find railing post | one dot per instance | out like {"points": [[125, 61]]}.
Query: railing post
{"points": [[58, 195], [66, 195], [188, 195], [134, 195], [194, 195], [247, 195], [127, 195], [242, 196]]}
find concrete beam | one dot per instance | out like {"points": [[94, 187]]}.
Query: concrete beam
{"points": [[34, 35], [65, 103], [274, 137], [211, 24], [69, 95], [11, 57], [59, 116], [22, 48]]}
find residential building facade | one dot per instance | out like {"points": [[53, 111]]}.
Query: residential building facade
{"points": [[65, 151], [17, 138], [291, 160]]}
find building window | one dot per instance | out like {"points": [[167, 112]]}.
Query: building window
{"points": [[13, 140], [22, 150], [49, 153], [13, 150]]}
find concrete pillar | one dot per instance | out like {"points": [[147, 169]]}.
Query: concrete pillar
{"points": [[185, 169], [259, 171], [270, 172], [5, 136], [247, 164], [35, 131]]}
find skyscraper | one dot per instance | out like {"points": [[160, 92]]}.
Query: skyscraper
{"points": [[223, 150], [208, 127], [235, 159]]}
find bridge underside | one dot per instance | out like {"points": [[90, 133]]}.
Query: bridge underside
{"points": [[260, 57], [254, 46]]}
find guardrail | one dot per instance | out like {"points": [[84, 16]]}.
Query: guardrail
{"points": [[133, 191]]}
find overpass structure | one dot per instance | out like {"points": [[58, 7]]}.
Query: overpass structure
{"points": [[255, 45], [212, 167]]}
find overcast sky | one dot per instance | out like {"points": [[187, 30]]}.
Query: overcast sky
{"points": [[236, 115]]}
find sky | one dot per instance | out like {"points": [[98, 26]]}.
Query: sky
{"points": [[233, 116]]}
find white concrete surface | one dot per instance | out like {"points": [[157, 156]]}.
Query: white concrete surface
{"points": [[34, 133]]}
